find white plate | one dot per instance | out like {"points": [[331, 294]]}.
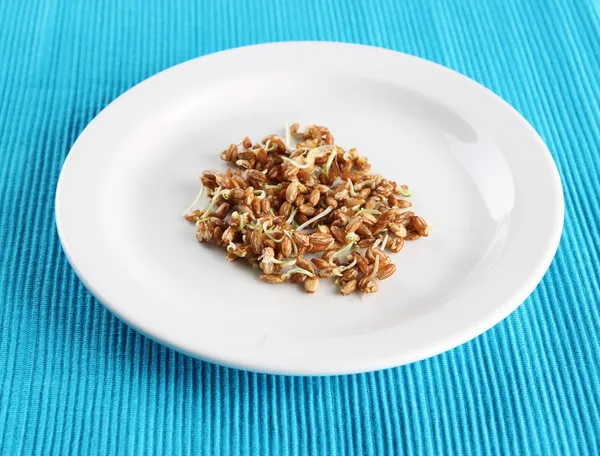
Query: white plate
{"points": [[478, 171]]}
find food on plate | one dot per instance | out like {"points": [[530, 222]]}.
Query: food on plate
{"points": [[302, 208]]}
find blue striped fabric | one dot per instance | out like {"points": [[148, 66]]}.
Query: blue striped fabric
{"points": [[74, 380]]}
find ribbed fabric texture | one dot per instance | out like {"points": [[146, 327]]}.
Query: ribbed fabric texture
{"points": [[76, 381]]}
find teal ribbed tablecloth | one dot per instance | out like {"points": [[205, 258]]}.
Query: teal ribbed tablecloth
{"points": [[76, 381]]}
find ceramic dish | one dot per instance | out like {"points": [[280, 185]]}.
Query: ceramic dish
{"points": [[478, 171]]}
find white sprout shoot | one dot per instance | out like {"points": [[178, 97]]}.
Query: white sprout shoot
{"points": [[270, 233], [287, 233], [296, 164], [340, 270], [243, 220], [384, 242], [351, 185], [225, 194], [269, 147], [375, 267], [349, 265], [259, 194], [265, 227], [269, 187], [189, 209], [315, 218], [332, 155], [376, 243], [231, 247], [343, 251], [272, 238], [288, 274], [270, 259], [314, 152], [212, 204], [291, 217], [243, 163]]}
